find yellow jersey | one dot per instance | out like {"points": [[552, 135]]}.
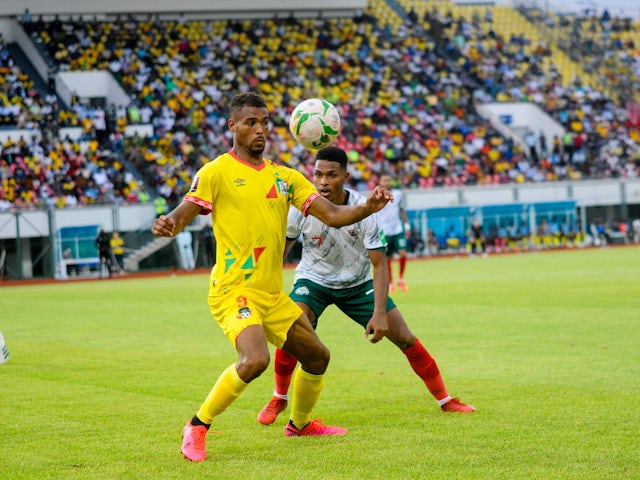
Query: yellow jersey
{"points": [[249, 206]]}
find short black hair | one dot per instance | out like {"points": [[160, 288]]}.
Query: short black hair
{"points": [[246, 99], [333, 154]]}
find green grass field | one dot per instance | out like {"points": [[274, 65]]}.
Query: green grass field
{"points": [[104, 374]]}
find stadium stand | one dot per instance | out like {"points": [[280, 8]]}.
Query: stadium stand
{"points": [[407, 76], [407, 95]]}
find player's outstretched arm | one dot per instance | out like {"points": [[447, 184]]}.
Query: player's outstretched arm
{"points": [[171, 224], [340, 215], [378, 198]]}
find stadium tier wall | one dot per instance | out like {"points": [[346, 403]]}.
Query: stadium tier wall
{"points": [[31, 251], [27, 224]]}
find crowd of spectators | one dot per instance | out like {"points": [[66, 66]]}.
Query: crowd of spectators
{"points": [[407, 97], [604, 43], [22, 105], [62, 173], [601, 139]]}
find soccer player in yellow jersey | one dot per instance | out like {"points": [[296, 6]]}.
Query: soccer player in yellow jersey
{"points": [[248, 197]]}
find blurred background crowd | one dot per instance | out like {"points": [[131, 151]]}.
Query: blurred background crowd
{"points": [[406, 75]]}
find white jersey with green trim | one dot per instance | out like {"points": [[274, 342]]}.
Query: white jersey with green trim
{"points": [[336, 257], [389, 217]]}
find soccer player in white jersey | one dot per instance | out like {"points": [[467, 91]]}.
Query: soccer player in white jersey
{"points": [[394, 223], [336, 269]]}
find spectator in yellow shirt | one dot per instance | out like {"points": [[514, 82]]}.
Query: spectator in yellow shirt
{"points": [[117, 248]]}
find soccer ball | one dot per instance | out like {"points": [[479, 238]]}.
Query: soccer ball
{"points": [[314, 123]]}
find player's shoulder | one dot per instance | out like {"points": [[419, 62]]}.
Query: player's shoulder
{"points": [[283, 170], [220, 162]]}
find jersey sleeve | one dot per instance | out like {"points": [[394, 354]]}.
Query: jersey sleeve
{"points": [[374, 238], [203, 189], [303, 192], [294, 223]]}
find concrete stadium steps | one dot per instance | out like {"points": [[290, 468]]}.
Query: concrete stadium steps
{"points": [[26, 66], [133, 259]]}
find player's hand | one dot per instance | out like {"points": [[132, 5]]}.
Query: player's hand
{"points": [[377, 327], [378, 198], [163, 226]]}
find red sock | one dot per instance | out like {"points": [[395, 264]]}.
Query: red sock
{"points": [[403, 264], [283, 369], [390, 271], [426, 368]]}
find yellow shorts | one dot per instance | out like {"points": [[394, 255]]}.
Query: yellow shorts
{"points": [[236, 310]]}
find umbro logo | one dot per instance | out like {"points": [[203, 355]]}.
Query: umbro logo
{"points": [[240, 182]]}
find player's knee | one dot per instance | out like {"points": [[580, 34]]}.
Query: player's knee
{"points": [[401, 338], [251, 367], [316, 360], [402, 344]]}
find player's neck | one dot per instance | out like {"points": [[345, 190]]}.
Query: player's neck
{"points": [[342, 198], [247, 157]]}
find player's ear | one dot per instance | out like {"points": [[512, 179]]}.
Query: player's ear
{"points": [[347, 175]]}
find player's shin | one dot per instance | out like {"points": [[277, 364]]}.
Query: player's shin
{"points": [[427, 369], [306, 392], [228, 387], [284, 365]]}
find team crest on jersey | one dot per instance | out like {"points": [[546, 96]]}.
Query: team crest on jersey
{"points": [[283, 187], [302, 291], [194, 184], [244, 312], [353, 233]]}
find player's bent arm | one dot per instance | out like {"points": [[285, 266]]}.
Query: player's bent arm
{"points": [[340, 215], [405, 223], [380, 279], [403, 216], [173, 223]]}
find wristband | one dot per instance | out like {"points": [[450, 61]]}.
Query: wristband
{"points": [[407, 226]]}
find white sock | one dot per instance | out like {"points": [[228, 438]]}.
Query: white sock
{"points": [[444, 400]]}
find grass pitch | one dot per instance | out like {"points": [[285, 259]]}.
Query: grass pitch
{"points": [[104, 374]]}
